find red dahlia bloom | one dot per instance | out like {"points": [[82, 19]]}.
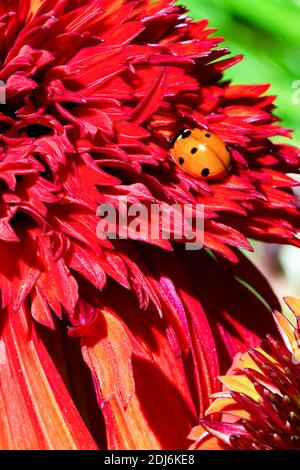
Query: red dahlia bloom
{"points": [[260, 404], [94, 91]]}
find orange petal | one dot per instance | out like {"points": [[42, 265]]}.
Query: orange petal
{"points": [[31, 8], [140, 405], [37, 411], [246, 361], [294, 304], [286, 330], [34, 5], [240, 384], [228, 406], [204, 440]]}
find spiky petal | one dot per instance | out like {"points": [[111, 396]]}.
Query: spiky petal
{"points": [[259, 408]]}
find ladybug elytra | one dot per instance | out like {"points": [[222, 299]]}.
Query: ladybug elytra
{"points": [[200, 153]]}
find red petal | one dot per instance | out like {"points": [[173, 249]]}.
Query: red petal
{"points": [[36, 409], [151, 100], [136, 397]]}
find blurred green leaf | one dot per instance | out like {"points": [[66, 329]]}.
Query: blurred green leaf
{"points": [[268, 34], [279, 17]]}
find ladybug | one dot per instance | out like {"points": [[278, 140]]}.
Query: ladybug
{"points": [[200, 153]]}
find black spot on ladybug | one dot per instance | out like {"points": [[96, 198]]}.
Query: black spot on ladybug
{"points": [[194, 150], [181, 160], [207, 135], [186, 133], [205, 172]]}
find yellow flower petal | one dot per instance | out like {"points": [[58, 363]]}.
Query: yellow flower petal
{"points": [[241, 384], [293, 304], [228, 406], [286, 330]]}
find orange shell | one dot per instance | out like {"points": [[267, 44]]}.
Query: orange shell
{"points": [[201, 154]]}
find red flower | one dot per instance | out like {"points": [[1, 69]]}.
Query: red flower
{"points": [[260, 402], [94, 90]]}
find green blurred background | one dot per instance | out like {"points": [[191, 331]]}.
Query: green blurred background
{"points": [[267, 32]]}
